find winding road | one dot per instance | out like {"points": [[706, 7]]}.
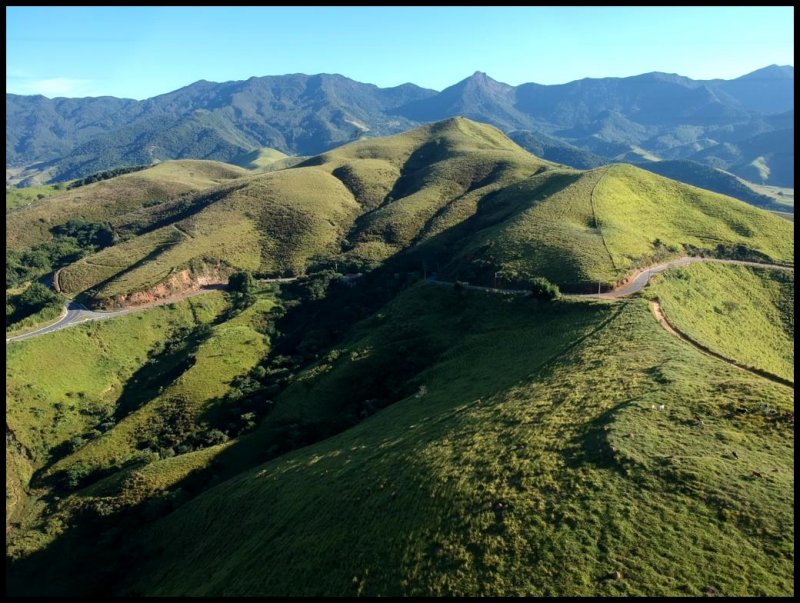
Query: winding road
{"points": [[75, 313], [633, 284], [638, 281]]}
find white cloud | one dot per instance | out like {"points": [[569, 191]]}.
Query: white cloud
{"points": [[55, 86]]}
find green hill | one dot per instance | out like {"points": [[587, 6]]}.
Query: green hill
{"points": [[280, 222], [266, 160], [455, 195], [743, 313], [528, 456], [597, 226], [713, 179], [108, 199], [387, 435]]}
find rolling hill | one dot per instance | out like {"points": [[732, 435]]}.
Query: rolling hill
{"points": [[375, 434], [108, 199], [520, 437], [457, 195]]}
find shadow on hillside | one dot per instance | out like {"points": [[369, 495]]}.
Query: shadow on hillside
{"points": [[160, 369], [592, 442], [96, 555]]}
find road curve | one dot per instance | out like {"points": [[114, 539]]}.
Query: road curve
{"points": [[633, 284], [76, 313], [638, 280]]}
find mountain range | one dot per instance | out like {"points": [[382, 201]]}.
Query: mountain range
{"points": [[744, 125]]}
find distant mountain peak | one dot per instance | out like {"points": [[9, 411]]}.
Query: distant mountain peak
{"points": [[782, 72], [480, 78]]}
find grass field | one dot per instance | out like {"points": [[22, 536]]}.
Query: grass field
{"points": [[636, 207], [543, 473], [266, 160], [231, 348], [524, 451], [120, 392], [277, 222], [65, 383], [111, 198], [280, 221], [745, 314], [20, 197]]}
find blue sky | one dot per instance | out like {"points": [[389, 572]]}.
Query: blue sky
{"points": [[139, 52]]}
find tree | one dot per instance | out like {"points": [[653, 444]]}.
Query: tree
{"points": [[37, 296], [242, 282], [541, 288]]}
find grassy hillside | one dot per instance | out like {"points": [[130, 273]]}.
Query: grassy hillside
{"points": [[20, 197], [266, 160], [273, 223], [635, 208], [365, 201], [230, 349], [149, 386], [745, 314], [781, 196], [581, 229], [107, 199], [456, 196], [62, 391], [65, 383], [713, 179], [384, 436], [530, 456]]}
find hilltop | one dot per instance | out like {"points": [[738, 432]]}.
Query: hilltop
{"points": [[457, 196]]}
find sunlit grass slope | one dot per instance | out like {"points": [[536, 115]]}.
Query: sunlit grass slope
{"points": [[266, 160], [274, 223], [231, 349], [110, 198], [531, 456], [135, 382], [65, 383], [20, 197], [743, 313], [597, 226], [457, 196], [635, 207], [370, 199]]}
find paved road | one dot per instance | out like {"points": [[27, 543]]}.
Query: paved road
{"points": [[635, 283], [639, 280], [75, 313]]}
